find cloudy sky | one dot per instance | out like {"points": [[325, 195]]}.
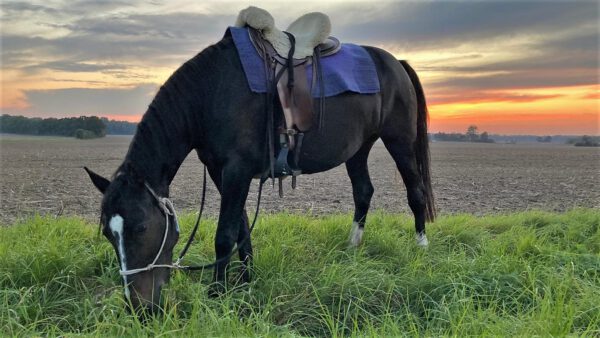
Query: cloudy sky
{"points": [[515, 67]]}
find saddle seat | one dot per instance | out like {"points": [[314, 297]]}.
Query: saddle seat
{"points": [[310, 30]]}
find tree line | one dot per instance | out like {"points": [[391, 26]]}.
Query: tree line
{"points": [[81, 127], [585, 141], [119, 127], [470, 136]]}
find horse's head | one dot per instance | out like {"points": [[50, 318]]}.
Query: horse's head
{"points": [[142, 229]]}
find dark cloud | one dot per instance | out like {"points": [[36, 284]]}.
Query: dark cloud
{"points": [[10, 9], [444, 24], [156, 39], [561, 49], [19, 10], [413, 26], [91, 101], [193, 26], [523, 79], [558, 44]]}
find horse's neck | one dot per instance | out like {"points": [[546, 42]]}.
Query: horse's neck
{"points": [[157, 151]]}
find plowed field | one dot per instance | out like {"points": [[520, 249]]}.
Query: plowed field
{"points": [[44, 175]]}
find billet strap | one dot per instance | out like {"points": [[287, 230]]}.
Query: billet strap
{"points": [[193, 234], [290, 61]]}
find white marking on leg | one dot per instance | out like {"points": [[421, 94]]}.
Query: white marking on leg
{"points": [[356, 235], [422, 240], [116, 226]]}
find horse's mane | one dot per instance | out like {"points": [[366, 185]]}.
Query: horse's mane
{"points": [[171, 108]]}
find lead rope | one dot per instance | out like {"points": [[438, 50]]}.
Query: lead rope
{"points": [[193, 234]]}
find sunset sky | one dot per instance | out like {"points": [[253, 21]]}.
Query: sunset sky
{"points": [[509, 67]]}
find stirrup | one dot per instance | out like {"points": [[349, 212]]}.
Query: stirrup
{"points": [[282, 167]]}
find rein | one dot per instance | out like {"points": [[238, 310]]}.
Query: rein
{"points": [[167, 208]]}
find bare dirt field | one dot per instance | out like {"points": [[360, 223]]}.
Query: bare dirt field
{"points": [[44, 175]]}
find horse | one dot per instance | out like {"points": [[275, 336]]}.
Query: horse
{"points": [[206, 106]]}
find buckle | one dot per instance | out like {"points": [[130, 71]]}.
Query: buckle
{"points": [[289, 132]]}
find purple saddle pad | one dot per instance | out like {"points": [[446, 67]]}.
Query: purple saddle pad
{"points": [[350, 69]]}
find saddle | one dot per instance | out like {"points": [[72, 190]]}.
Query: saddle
{"points": [[285, 55]]}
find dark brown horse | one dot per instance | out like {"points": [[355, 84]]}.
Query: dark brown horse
{"points": [[206, 106]]}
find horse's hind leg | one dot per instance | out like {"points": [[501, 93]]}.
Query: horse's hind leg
{"points": [[404, 155], [362, 191]]}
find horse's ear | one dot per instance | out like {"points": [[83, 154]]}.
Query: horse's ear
{"points": [[100, 182]]}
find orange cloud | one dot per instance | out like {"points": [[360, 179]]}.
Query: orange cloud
{"points": [[538, 124], [560, 110]]}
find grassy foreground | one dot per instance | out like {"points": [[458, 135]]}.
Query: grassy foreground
{"points": [[532, 273]]}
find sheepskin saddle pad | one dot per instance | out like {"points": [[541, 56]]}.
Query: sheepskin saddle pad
{"points": [[310, 30]]}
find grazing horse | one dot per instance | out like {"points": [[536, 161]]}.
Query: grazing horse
{"points": [[206, 106]]}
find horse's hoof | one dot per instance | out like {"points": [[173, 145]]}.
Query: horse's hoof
{"points": [[244, 276], [422, 240], [216, 290], [356, 235], [243, 279]]}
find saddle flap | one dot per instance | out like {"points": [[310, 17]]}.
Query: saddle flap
{"points": [[298, 105]]}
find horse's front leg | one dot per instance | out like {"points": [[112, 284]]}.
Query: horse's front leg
{"points": [[235, 183], [244, 241]]}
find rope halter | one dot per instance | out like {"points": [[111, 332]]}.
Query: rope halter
{"points": [[166, 207]]}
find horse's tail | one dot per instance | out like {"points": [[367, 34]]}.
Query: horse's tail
{"points": [[422, 142]]}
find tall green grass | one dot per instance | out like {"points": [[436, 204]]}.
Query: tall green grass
{"points": [[532, 273]]}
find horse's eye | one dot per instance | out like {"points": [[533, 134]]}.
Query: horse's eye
{"points": [[140, 228]]}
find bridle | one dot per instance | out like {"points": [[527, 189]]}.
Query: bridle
{"points": [[167, 208]]}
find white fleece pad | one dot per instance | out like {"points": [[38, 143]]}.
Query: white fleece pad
{"points": [[309, 30]]}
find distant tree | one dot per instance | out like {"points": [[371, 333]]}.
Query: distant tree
{"points": [[470, 136], [94, 124], [544, 139], [450, 137], [83, 134], [472, 133], [588, 141], [484, 137], [119, 127]]}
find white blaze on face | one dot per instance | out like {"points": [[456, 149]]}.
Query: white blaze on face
{"points": [[116, 227]]}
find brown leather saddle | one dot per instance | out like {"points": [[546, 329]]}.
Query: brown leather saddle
{"points": [[287, 78], [297, 101]]}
